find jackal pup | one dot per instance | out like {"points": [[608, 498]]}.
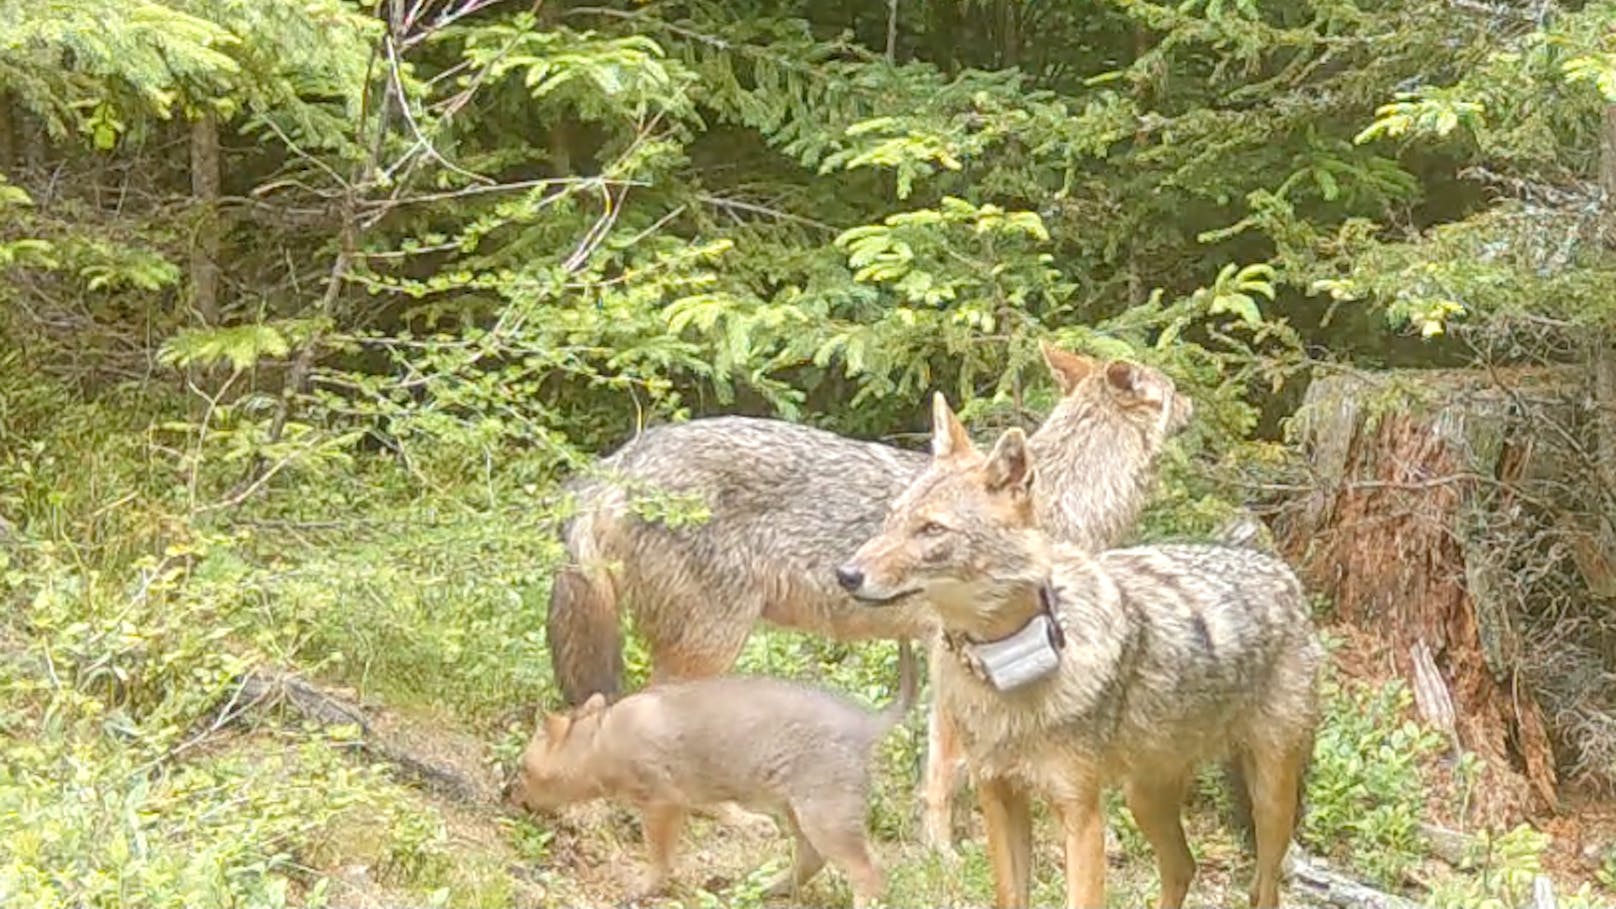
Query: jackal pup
{"points": [[768, 744], [1132, 666]]}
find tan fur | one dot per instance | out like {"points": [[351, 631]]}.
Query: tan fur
{"points": [[1174, 655], [787, 504], [768, 744]]}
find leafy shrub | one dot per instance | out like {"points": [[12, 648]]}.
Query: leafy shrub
{"points": [[1364, 793], [1500, 871]]}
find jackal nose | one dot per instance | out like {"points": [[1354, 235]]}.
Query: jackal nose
{"points": [[849, 577]]}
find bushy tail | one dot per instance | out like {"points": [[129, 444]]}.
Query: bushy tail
{"points": [[1244, 531], [586, 639], [908, 685]]}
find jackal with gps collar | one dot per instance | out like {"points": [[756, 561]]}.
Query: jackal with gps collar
{"points": [[1064, 672]]}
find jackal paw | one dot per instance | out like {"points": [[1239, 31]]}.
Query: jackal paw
{"points": [[784, 884], [752, 823], [939, 839], [650, 885]]}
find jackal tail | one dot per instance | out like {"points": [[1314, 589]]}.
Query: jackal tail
{"points": [[908, 685], [583, 625]]}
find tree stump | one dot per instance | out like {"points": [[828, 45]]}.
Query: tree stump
{"points": [[1415, 476]]}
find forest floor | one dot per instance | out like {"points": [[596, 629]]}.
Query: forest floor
{"points": [[136, 768], [590, 855]]}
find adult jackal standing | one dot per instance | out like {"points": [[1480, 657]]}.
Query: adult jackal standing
{"points": [[787, 503], [1064, 672]]}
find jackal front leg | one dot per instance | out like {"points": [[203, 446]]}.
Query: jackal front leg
{"points": [[663, 824], [1007, 821], [1083, 821], [942, 779]]}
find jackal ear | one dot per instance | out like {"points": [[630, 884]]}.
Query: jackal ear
{"points": [[594, 704], [1147, 387], [1010, 464], [948, 436], [1066, 367], [556, 727], [1139, 382], [1122, 375]]}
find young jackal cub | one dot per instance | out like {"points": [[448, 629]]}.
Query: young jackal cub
{"points": [[769, 744]]}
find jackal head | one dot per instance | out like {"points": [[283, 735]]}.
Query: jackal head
{"points": [[556, 767], [963, 534], [1145, 396], [1097, 450]]}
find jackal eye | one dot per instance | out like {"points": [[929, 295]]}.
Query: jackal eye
{"points": [[931, 529]]}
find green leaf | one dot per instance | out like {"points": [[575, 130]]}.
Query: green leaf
{"points": [[1328, 188]]}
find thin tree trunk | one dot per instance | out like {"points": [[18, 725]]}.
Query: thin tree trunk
{"points": [[560, 139], [892, 31], [1599, 565], [1010, 49], [941, 30], [205, 174], [1607, 173], [8, 142], [1141, 96], [1604, 369], [35, 148], [205, 245]]}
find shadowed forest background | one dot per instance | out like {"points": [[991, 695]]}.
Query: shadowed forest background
{"points": [[307, 307]]}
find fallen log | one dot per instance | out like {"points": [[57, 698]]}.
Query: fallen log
{"points": [[377, 738], [262, 690], [1450, 846], [1319, 884]]}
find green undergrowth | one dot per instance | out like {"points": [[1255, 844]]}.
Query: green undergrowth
{"points": [[445, 616], [129, 796], [132, 775], [1365, 792], [95, 824], [133, 770]]}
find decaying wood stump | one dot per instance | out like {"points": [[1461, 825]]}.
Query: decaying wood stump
{"points": [[1415, 475]]}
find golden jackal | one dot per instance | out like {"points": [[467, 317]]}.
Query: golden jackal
{"points": [[1063, 673], [762, 742], [787, 503]]}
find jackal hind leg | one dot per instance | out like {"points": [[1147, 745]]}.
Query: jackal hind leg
{"points": [[805, 861], [836, 829], [1156, 806], [1274, 775]]}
